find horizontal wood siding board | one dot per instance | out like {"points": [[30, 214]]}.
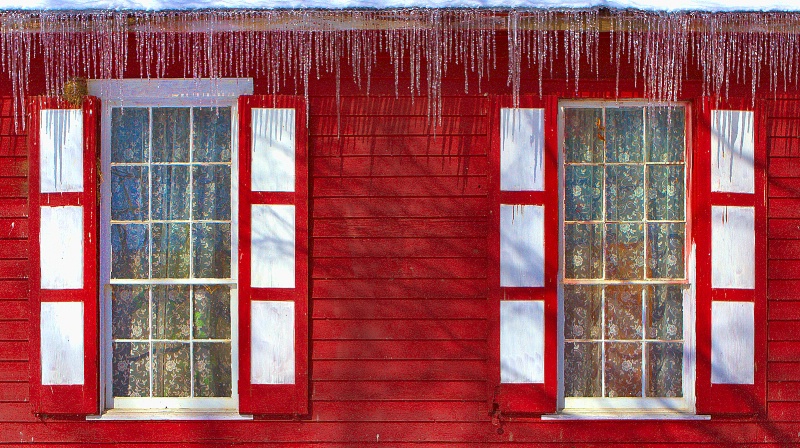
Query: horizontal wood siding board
{"points": [[784, 371], [14, 330], [783, 229], [783, 350], [14, 166], [396, 350], [14, 371], [377, 106], [784, 311], [399, 208], [400, 329], [11, 249], [781, 167], [13, 208], [779, 290], [399, 289], [13, 187], [11, 309], [420, 308], [391, 268], [399, 370], [371, 227], [780, 208], [14, 392], [409, 145], [784, 391], [411, 391], [390, 187], [14, 351], [784, 331], [13, 228], [404, 411], [13, 269], [784, 249], [424, 247], [13, 289], [13, 145], [379, 167], [401, 126]]}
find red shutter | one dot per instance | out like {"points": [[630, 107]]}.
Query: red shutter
{"points": [[69, 398], [273, 398], [733, 399], [532, 398]]}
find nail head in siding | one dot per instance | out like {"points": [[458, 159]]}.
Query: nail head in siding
{"points": [[733, 247], [521, 149], [61, 247], [732, 149], [272, 246], [521, 245], [272, 342], [521, 341], [273, 150], [61, 150], [732, 343], [61, 329]]}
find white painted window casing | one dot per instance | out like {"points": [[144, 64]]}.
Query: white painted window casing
{"points": [[61, 327], [732, 247], [522, 341], [273, 150], [61, 247], [732, 343], [521, 149], [61, 150], [521, 245], [272, 342], [272, 246], [732, 151]]}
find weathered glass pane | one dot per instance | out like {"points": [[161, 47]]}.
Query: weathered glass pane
{"points": [[171, 134], [623, 312], [582, 369], [665, 312], [129, 186], [129, 249], [665, 192], [624, 193], [129, 309], [212, 369], [664, 369], [131, 367], [583, 308], [583, 195], [666, 242], [623, 369], [130, 130], [212, 134], [170, 192], [211, 189], [665, 134], [212, 312], [624, 135], [211, 245], [170, 312], [171, 369], [583, 135], [170, 250], [583, 250], [625, 251]]}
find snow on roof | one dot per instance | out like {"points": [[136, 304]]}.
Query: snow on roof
{"points": [[161, 5]]}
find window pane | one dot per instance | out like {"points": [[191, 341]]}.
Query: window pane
{"points": [[624, 135], [130, 134], [212, 369], [665, 312], [212, 312], [583, 135], [665, 192], [625, 251], [212, 134], [170, 192], [583, 199], [170, 250], [131, 366], [625, 192], [171, 369], [583, 250], [171, 134], [129, 185], [666, 243], [623, 312], [665, 134], [583, 308], [623, 369], [129, 250], [170, 312], [582, 373], [130, 306], [211, 192], [211, 245], [664, 369]]}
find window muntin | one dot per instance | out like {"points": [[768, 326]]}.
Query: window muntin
{"points": [[624, 280], [171, 245]]}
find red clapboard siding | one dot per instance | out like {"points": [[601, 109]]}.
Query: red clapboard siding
{"points": [[13, 289], [399, 207], [399, 166], [409, 308], [399, 391], [13, 351], [17, 391], [782, 290], [399, 349], [11, 269], [386, 268], [784, 371], [400, 370], [13, 208], [411, 125], [784, 391], [14, 167], [12, 145], [397, 289], [14, 330], [441, 228], [377, 106], [412, 145], [781, 167], [401, 247], [784, 331], [13, 228], [14, 309], [14, 371], [399, 186], [779, 311], [784, 249], [406, 411], [404, 329]]}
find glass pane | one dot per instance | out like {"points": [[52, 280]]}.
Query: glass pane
{"points": [[212, 312], [211, 192], [665, 134], [583, 135], [623, 369], [583, 308], [583, 250], [170, 134], [131, 366], [665, 192], [664, 369], [171, 370], [624, 251], [665, 312], [665, 250], [582, 374], [212, 250], [583, 194], [625, 193], [624, 134], [212, 369], [129, 249], [170, 250], [129, 186], [129, 308], [170, 192], [170, 312], [624, 312], [212, 134], [130, 130]]}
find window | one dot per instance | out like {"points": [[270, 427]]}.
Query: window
{"points": [[625, 297]]}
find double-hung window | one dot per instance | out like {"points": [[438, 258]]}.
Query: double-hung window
{"points": [[625, 293]]}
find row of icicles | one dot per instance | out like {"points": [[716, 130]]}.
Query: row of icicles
{"points": [[288, 47]]}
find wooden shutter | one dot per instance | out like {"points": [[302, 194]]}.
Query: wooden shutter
{"points": [[524, 291], [730, 221], [273, 255], [64, 349]]}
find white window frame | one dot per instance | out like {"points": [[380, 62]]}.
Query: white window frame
{"points": [[169, 93], [626, 407]]}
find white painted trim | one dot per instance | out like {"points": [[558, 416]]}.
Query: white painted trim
{"points": [[151, 92], [521, 245], [272, 150], [733, 247], [61, 247], [732, 151], [61, 150], [732, 342], [522, 334], [61, 343], [521, 149], [272, 246], [272, 342], [183, 414]]}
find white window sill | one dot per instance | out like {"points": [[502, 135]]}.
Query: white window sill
{"points": [[630, 415], [169, 414]]}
